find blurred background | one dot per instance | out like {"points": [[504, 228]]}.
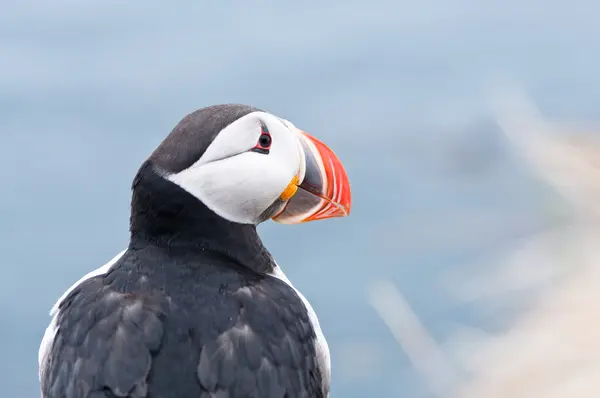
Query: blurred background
{"points": [[467, 129]]}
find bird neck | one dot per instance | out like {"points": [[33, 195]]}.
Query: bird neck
{"points": [[165, 215]]}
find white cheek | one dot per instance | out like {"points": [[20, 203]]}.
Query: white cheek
{"points": [[239, 188]]}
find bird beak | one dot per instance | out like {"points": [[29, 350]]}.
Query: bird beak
{"points": [[325, 190]]}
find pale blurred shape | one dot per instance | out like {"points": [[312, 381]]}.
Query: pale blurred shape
{"points": [[419, 346], [553, 349], [569, 161]]}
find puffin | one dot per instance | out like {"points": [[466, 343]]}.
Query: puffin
{"points": [[196, 306]]}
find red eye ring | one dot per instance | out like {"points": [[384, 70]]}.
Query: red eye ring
{"points": [[264, 141]]}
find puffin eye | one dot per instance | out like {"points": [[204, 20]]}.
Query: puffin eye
{"points": [[264, 141]]}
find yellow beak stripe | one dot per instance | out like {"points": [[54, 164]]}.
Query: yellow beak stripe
{"points": [[290, 190]]}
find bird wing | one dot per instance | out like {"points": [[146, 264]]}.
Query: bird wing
{"points": [[267, 350], [103, 343]]}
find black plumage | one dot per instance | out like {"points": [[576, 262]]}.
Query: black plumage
{"points": [[173, 323]]}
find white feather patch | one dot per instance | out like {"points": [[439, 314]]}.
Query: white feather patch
{"points": [[51, 330], [321, 343]]}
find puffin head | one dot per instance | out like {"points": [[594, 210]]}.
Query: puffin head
{"points": [[248, 166]]}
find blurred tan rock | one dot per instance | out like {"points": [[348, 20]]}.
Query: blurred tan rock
{"points": [[553, 349]]}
